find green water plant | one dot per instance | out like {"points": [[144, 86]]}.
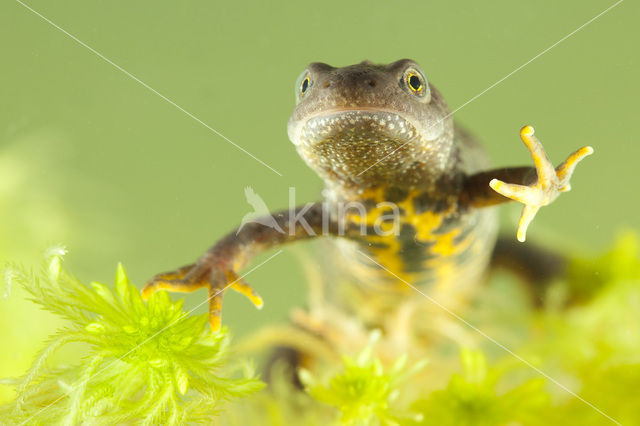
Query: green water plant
{"points": [[472, 398], [144, 362], [363, 391]]}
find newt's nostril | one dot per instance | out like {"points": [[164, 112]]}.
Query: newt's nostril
{"points": [[372, 83], [326, 84]]}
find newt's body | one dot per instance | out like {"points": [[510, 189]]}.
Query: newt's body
{"points": [[407, 198]]}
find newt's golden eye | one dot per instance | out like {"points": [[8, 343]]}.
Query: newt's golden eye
{"points": [[304, 86], [414, 81]]}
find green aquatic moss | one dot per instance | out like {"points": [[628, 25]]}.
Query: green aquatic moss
{"points": [[471, 397], [364, 391], [144, 362]]}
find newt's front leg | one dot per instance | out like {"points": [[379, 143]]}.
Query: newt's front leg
{"points": [[533, 187], [218, 268]]}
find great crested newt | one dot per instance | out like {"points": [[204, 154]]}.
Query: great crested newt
{"points": [[407, 199]]}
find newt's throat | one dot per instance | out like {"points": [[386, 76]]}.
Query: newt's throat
{"points": [[363, 148]]}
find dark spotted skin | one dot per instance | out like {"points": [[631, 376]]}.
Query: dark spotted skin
{"points": [[378, 136], [440, 246]]}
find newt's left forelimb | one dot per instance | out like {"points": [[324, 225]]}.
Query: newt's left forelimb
{"points": [[533, 187]]}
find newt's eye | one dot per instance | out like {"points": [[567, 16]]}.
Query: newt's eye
{"points": [[304, 86], [416, 84]]}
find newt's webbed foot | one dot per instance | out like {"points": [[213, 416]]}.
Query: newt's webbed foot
{"points": [[550, 183], [207, 272]]}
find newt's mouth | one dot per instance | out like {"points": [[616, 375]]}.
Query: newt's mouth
{"points": [[357, 127]]}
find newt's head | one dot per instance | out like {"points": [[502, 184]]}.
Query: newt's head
{"points": [[367, 125]]}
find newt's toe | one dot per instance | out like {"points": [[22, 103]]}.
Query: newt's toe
{"points": [[215, 308], [182, 280], [241, 286]]}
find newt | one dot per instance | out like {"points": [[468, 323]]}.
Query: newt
{"points": [[408, 198]]}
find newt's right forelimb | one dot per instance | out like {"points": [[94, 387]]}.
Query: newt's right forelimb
{"points": [[217, 269]]}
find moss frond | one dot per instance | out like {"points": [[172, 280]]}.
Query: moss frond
{"points": [[363, 391], [145, 361], [472, 398]]}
